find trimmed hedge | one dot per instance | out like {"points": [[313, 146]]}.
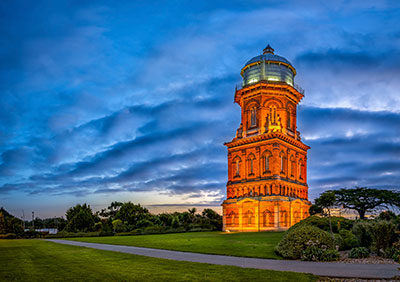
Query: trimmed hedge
{"points": [[295, 241], [338, 223]]}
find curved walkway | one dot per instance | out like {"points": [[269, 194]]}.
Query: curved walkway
{"points": [[341, 270]]}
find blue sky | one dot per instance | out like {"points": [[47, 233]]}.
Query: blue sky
{"points": [[133, 100]]}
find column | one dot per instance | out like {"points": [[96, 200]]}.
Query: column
{"points": [[240, 219], [223, 219], [257, 216], [276, 217]]}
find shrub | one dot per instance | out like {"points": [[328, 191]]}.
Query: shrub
{"points": [[393, 252], [338, 241], [383, 235], [315, 253], [338, 223], [312, 253], [349, 239], [294, 242], [387, 215], [361, 229], [330, 255], [144, 223], [359, 252]]}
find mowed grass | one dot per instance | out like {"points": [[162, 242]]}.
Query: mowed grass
{"points": [[37, 260], [255, 244]]}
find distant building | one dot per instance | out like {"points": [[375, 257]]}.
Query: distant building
{"points": [[44, 230], [267, 162], [347, 213]]}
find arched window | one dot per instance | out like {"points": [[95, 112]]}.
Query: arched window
{"points": [[293, 166], [266, 158], [282, 159], [236, 167], [296, 217], [289, 119], [301, 169], [232, 219], [272, 114], [284, 219], [250, 161], [268, 219], [253, 117], [248, 218]]}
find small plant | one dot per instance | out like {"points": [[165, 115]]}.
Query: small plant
{"points": [[339, 243], [362, 231], [312, 253], [330, 255], [393, 252], [383, 235], [349, 239], [315, 253], [359, 252]]}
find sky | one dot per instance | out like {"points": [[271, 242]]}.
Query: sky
{"points": [[107, 101]]}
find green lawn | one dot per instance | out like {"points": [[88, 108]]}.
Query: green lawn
{"points": [[36, 260], [255, 244]]}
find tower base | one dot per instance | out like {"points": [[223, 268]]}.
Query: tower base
{"points": [[263, 213]]}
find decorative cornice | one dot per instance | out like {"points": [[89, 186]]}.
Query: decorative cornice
{"points": [[244, 181], [268, 85], [267, 136]]}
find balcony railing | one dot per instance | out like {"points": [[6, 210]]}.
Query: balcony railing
{"points": [[295, 86]]}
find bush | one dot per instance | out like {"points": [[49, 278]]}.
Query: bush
{"points": [[338, 241], [349, 239], [294, 242], [387, 215], [393, 252], [383, 235], [315, 253], [361, 229], [338, 223], [330, 255], [312, 253], [359, 252], [144, 223]]}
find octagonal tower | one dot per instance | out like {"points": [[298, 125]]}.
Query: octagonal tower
{"points": [[267, 162]]}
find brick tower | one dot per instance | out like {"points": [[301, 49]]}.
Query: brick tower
{"points": [[267, 162]]}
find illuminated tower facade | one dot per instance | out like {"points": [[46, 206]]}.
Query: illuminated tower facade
{"points": [[267, 162]]}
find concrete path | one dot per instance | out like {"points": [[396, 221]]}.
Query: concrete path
{"points": [[341, 270]]}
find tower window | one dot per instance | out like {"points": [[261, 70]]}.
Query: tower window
{"points": [[301, 169], [237, 168], [253, 117], [250, 162], [266, 162], [293, 168], [272, 114]]}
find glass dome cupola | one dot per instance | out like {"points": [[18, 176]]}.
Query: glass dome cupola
{"points": [[268, 67]]}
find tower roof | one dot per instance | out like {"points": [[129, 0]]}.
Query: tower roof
{"points": [[268, 56], [268, 67]]}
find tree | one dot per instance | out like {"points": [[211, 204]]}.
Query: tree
{"points": [[112, 210], [80, 218], [326, 201], [315, 209], [363, 199], [2, 223], [131, 213]]}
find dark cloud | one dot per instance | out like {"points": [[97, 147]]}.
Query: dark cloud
{"points": [[94, 104]]}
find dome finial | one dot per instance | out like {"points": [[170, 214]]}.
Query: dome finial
{"points": [[269, 50]]}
